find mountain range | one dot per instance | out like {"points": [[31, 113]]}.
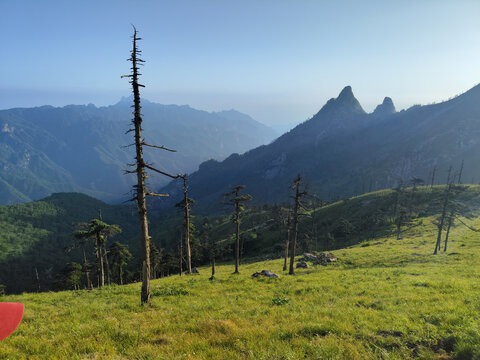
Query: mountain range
{"points": [[343, 151], [80, 148]]}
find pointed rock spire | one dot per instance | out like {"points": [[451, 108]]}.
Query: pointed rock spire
{"points": [[385, 108], [345, 102], [346, 93]]}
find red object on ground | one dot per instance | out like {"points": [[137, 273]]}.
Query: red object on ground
{"points": [[10, 316]]}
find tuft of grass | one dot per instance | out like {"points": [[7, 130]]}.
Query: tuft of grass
{"points": [[280, 300], [175, 290]]}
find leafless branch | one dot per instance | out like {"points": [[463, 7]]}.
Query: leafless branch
{"points": [[162, 172], [158, 147], [155, 194]]}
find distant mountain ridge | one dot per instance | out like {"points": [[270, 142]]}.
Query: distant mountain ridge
{"points": [[343, 151], [79, 147]]}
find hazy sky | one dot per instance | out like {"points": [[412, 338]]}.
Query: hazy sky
{"points": [[278, 61]]}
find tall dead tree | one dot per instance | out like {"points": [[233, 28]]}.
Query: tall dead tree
{"points": [[460, 173], [38, 279], [140, 189], [451, 219], [180, 245], [441, 222], [298, 198], [287, 239], [186, 205], [449, 175], [237, 201], [104, 252]]}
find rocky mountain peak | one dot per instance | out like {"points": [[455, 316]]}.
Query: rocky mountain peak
{"points": [[344, 103], [385, 108]]}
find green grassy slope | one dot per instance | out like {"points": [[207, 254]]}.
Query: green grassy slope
{"points": [[39, 234], [383, 299]]}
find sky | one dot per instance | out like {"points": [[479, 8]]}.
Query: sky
{"points": [[276, 60]]}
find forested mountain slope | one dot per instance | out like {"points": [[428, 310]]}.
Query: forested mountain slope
{"points": [[343, 151]]}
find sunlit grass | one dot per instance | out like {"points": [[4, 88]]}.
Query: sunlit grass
{"points": [[384, 299]]}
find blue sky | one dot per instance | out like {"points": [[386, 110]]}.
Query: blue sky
{"points": [[278, 61]]}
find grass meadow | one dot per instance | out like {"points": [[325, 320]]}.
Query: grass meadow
{"points": [[383, 299]]}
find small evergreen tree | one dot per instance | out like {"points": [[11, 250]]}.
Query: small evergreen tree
{"points": [[119, 255], [99, 231], [70, 276]]}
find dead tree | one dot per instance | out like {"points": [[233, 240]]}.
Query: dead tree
{"points": [[441, 222], [140, 189], [86, 269], [456, 208], [449, 174], [237, 201], [449, 225], [397, 197], [298, 197], [181, 253], [460, 174], [287, 239], [38, 279], [104, 251], [186, 205]]}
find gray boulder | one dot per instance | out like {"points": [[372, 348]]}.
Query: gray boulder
{"points": [[265, 273], [302, 265], [322, 258]]}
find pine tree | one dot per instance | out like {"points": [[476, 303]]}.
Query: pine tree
{"points": [[119, 256], [99, 231]]}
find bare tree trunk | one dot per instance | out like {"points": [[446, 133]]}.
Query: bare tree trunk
{"points": [[287, 242], [187, 224], [120, 274], [107, 267], [181, 253], [140, 171], [399, 226], [449, 174], [450, 223], [99, 255], [298, 195], [237, 238], [104, 249], [87, 272], [442, 219], [433, 176], [460, 174], [237, 201], [213, 269], [38, 279]]}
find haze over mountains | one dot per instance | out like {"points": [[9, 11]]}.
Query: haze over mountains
{"points": [[342, 151], [79, 148]]}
